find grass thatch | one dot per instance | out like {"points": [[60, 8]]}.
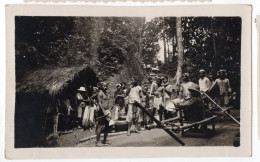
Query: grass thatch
{"points": [[49, 80]]}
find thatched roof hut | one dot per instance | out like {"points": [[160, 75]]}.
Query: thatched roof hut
{"points": [[53, 81], [37, 92]]}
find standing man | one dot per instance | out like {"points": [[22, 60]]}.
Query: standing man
{"points": [[167, 92], [103, 115], [80, 97], [133, 94], [157, 90], [119, 101], [224, 88], [145, 102], [154, 85], [204, 85], [204, 82]]}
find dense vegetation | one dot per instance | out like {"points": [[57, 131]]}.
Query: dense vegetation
{"points": [[113, 43]]}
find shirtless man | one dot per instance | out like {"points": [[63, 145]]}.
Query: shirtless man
{"points": [[103, 115], [133, 94]]}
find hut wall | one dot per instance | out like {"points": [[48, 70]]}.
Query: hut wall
{"points": [[29, 115]]}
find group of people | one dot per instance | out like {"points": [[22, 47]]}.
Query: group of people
{"points": [[156, 95]]}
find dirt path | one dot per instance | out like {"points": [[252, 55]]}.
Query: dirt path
{"points": [[225, 132]]}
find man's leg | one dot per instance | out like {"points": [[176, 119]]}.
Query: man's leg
{"points": [[106, 130], [98, 132], [139, 120], [160, 111], [129, 118], [79, 116]]}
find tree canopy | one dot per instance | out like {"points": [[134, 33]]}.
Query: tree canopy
{"points": [[115, 43]]}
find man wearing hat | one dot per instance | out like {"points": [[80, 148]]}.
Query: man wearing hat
{"points": [[184, 92], [193, 107], [80, 97]]}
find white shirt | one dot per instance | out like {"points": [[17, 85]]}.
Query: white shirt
{"points": [[134, 94], [204, 84]]}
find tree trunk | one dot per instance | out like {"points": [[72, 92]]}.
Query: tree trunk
{"points": [[164, 43], [214, 44], [164, 49], [179, 49], [141, 38], [168, 51]]}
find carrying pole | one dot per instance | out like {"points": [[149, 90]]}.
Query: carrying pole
{"points": [[159, 123], [224, 111]]}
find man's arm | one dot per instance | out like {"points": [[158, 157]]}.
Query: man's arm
{"points": [[151, 89], [229, 87]]}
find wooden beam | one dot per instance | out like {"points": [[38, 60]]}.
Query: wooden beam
{"points": [[171, 119], [159, 123], [198, 123]]}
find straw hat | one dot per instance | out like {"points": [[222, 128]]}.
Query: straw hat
{"points": [[82, 89], [194, 88]]}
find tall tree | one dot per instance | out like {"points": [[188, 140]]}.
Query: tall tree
{"points": [[179, 49]]}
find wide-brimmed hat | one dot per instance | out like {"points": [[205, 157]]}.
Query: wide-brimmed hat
{"points": [[194, 88], [82, 89], [118, 85]]}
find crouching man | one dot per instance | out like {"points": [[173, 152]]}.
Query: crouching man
{"points": [[193, 107]]}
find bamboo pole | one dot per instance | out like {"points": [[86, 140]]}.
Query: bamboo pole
{"points": [[198, 123], [224, 111], [159, 123], [171, 119]]}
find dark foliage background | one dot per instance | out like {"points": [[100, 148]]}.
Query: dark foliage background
{"points": [[116, 48]]}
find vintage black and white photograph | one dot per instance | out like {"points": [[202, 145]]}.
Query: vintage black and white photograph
{"points": [[127, 81]]}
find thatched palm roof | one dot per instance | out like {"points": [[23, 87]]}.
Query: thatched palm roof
{"points": [[48, 80]]}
